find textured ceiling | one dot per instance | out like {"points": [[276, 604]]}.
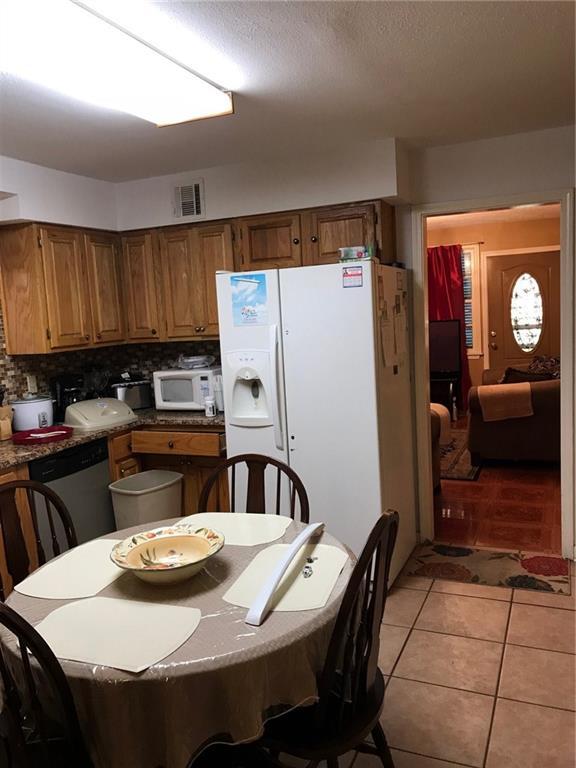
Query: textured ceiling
{"points": [[320, 74]]}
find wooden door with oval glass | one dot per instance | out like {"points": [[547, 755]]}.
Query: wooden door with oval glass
{"points": [[523, 293]]}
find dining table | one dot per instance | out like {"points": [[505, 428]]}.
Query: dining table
{"points": [[220, 685]]}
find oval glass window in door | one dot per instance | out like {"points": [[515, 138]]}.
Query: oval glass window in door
{"points": [[526, 312]]}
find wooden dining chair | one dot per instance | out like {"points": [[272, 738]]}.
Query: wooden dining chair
{"points": [[23, 504], [33, 733], [350, 687], [256, 467]]}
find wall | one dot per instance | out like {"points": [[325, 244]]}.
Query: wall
{"points": [[145, 358], [499, 235], [495, 236], [355, 172], [525, 162], [42, 194]]}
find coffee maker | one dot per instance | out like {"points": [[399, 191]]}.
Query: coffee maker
{"points": [[67, 388]]}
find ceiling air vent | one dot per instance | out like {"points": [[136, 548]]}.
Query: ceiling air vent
{"points": [[189, 200]]}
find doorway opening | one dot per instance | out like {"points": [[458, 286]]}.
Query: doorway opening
{"points": [[494, 359]]}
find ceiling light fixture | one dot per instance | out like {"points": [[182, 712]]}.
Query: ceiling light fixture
{"points": [[73, 49]]}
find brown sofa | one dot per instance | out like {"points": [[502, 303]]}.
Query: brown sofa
{"points": [[534, 438]]}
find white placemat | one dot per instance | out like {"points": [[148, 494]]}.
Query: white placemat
{"points": [[82, 572], [307, 583], [125, 634], [244, 529]]}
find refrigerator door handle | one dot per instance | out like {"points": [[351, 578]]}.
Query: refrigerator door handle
{"points": [[278, 435]]}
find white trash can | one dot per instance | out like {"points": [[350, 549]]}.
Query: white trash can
{"points": [[146, 497]]}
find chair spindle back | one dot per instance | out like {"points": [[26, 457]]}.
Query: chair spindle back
{"points": [[255, 501], [42, 502]]}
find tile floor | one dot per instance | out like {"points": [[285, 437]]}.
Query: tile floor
{"points": [[507, 507], [481, 677]]}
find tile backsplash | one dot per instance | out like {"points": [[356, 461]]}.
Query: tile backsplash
{"points": [[128, 357]]}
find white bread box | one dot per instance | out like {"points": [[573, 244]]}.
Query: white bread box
{"points": [[103, 413]]}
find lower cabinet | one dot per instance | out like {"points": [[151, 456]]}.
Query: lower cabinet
{"points": [[122, 460], [193, 453], [196, 471]]}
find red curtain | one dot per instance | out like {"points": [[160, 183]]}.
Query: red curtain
{"points": [[446, 300]]}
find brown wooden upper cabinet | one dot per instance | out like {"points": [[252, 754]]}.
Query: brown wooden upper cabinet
{"points": [[327, 229], [104, 280], [213, 246], [190, 258], [269, 242], [67, 297], [139, 281], [60, 289], [314, 236]]}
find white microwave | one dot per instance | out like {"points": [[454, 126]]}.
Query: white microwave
{"points": [[184, 390]]}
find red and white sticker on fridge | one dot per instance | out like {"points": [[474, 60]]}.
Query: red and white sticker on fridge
{"points": [[352, 277]]}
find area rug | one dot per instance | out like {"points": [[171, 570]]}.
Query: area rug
{"points": [[455, 461], [521, 570]]}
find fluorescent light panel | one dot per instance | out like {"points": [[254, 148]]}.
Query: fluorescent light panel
{"points": [[61, 46]]}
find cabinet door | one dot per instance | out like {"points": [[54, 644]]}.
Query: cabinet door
{"points": [[122, 461], [177, 260], [125, 468], [213, 252], [328, 229], [103, 262], [67, 298], [270, 242], [139, 280]]}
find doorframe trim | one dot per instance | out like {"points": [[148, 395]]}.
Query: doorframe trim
{"points": [[419, 214]]}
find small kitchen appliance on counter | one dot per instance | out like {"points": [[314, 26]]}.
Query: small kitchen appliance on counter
{"points": [[67, 388], [184, 390], [32, 412], [103, 413], [132, 389]]}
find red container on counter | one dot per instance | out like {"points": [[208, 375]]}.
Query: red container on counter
{"points": [[42, 435]]}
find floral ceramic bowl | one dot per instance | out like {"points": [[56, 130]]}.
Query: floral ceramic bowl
{"points": [[167, 555]]}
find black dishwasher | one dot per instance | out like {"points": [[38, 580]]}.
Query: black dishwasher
{"points": [[80, 476]]}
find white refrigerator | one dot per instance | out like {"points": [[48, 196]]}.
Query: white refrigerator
{"points": [[316, 373]]}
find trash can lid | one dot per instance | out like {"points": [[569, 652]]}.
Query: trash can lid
{"points": [[145, 482]]}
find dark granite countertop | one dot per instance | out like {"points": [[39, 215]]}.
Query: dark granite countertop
{"points": [[11, 455]]}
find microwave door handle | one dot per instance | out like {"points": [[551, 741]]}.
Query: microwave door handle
{"points": [[278, 435]]}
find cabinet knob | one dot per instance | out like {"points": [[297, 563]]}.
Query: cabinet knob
{"points": [[122, 471], [314, 239], [197, 329], [170, 443], [87, 337], [202, 327], [98, 335], [154, 331], [296, 241]]}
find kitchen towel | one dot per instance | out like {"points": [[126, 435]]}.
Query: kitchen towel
{"points": [[124, 634], [307, 583], [81, 572], [244, 529]]}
